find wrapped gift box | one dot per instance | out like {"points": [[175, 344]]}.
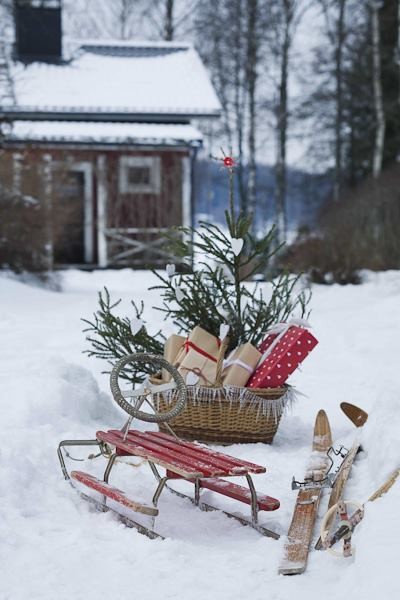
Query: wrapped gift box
{"points": [[172, 347], [240, 364], [282, 356], [279, 329], [265, 344], [199, 356]]}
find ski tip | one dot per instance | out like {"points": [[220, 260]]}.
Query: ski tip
{"points": [[322, 432], [357, 415], [321, 414], [385, 487]]}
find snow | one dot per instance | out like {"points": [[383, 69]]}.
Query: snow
{"points": [[115, 77], [98, 132], [52, 545]]}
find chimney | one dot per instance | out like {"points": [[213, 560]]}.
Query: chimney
{"points": [[38, 30]]}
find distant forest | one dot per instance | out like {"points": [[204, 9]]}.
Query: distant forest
{"points": [[307, 193], [309, 87]]}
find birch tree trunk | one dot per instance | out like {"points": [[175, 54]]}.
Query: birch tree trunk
{"points": [[282, 122], [221, 79], [169, 21], [239, 98], [378, 95], [7, 91], [252, 47], [340, 38], [125, 12], [398, 41]]}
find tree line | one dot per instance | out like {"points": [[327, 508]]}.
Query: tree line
{"points": [[339, 101], [314, 83]]}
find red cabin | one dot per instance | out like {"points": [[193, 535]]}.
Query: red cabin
{"points": [[105, 138]]}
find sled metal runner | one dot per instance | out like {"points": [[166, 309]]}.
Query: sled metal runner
{"points": [[181, 460], [127, 521]]}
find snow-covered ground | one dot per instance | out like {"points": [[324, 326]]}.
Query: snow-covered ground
{"points": [[53, 546]]}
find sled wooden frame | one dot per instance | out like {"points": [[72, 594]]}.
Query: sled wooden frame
{"points": [[182, 460]]}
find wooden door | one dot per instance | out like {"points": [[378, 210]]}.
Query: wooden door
{"points": [[68, 218]]}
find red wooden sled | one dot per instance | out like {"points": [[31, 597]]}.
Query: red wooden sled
{"points": [[188, 461]]}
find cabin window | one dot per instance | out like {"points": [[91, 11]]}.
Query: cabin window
{"points": [[139, 174]]}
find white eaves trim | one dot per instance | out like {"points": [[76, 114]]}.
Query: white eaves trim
{"points": [[98, 132]]}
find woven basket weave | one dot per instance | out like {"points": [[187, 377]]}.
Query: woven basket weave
{"points": [[227, 415]]}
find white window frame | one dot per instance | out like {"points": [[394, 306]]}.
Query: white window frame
{"points": [[152, 162]]}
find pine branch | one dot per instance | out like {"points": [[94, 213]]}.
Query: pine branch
{"points": [[111, 337]]}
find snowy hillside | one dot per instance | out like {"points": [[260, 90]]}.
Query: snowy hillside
{"points": [[53, 546]]}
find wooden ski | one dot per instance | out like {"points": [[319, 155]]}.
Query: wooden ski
{"points": [[346, 529], [306, 509], [357, 415], [340, 481], [359, 418]]}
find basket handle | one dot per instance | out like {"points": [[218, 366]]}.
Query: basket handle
{"points": [[220, 362]]}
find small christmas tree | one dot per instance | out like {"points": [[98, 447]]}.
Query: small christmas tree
{"points": [[219, 290]]}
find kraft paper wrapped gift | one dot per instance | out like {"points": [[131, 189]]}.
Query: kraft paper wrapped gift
{"points": [[172, 347], [240, 364], [198, 359], [199, 338]]}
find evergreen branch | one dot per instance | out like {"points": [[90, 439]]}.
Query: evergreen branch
{"points": [[111, 338]]}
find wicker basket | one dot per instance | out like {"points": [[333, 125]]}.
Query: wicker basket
{"points": [[226, 414]]}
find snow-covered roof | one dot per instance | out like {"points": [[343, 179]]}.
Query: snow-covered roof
{"points": [[124, 78], [103, 133]]}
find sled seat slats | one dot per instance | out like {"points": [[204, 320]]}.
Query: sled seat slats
{"points": [[187, 459], [235, 491], [133, 446], [129, 448], [212, 463], [213, 456], [113, 493], [172, 452]]}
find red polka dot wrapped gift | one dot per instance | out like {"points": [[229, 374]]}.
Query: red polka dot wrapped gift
{"points": [[286, 345]]}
